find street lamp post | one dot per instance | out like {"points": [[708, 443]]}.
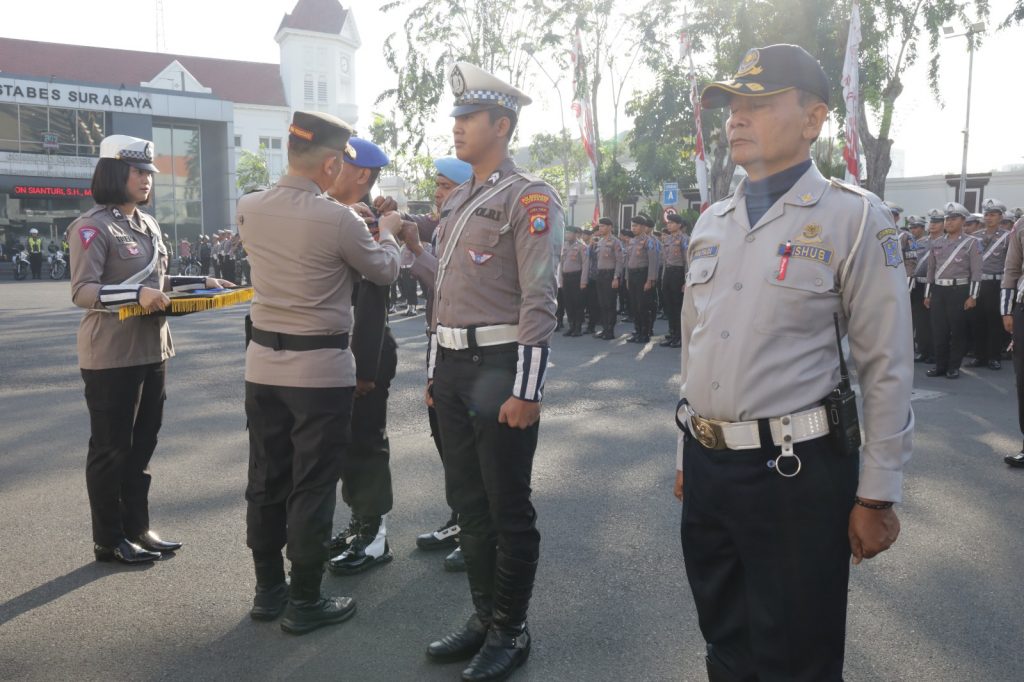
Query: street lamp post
{"points": [[969, 33], [529, 50]]}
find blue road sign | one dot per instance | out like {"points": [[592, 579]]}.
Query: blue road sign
{"points": [[669, 197]]}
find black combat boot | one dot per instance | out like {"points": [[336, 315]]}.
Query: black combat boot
{"points": [[479, 555], [342, 541], [367, 549], [307, 609], [271, 586], [445, 537], [508, 640]]}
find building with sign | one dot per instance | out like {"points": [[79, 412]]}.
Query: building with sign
{"points": [[58, 101]]}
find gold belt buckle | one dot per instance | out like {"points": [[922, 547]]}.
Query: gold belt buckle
{"points": [[708, 432]]}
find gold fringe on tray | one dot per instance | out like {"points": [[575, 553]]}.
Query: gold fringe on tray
{"points": [[184, 305]]}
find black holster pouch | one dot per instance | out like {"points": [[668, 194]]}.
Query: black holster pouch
{"points": [[248, 330], [843, 420]]}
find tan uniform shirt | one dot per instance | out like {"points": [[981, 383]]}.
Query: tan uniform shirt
{"points": [[965, 264], [755, 346], [108, 248], [498, 246], [642, 253], [993, 250], [611, 255], [674, 249], [1012, 268], [576, 258], [306, 251]]}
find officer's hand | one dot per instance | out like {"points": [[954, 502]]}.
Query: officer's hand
{"points": [[678, 489], [519, 414], [428, 395], [615, 283], [970, 303], [871, 531], [411, 236], [385, 204], [214, 283], [927, 302], [583, 285], [363, 387], [364, 212], [1008, 323], [153, 299], [648, 285], [390, 224]]}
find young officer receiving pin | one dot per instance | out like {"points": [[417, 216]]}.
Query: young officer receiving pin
{"points": [[774, 500], [494, 313]]}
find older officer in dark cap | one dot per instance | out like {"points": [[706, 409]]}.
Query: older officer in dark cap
{"points": [[300, 375], [494, 313], [774, 500]]}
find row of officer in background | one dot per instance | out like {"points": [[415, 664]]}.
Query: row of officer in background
{"points": [[954, 262], [650, 267]]}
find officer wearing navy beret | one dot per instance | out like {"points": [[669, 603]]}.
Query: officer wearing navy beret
{"points": [[774, 500]]}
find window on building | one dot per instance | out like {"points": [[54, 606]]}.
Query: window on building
{"points": [[275, 160], [36, 129], [238, 140], [321, 91], [307, 88], [271, 143], [178, 189], [9, 127], [626, 214]]}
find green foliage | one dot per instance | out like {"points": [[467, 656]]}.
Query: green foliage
{"points": [[662, 142], [548, 156], [252, 170]]}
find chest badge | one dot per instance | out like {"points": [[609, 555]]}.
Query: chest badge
{"points": [[133, 249], [811, 234], [479, 257]]}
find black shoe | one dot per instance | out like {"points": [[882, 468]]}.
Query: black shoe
{"points": [[343, 540], [503, 651], [125, 552], [605, 336], [269, 602], [307, 609], [151, 541], [920, 358], [633, 338], [591, 329], [368, 549], [676, 343], [978, 363], [935, 372], [461, 644], [454, 563], [953, 374], [667, 342], [571, 331], [1015, 460], [445, 537], [995, 364]]}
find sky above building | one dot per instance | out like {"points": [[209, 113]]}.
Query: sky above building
{"points": [[929, 135]]}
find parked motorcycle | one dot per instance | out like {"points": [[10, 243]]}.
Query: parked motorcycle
{"points": [[21, 265], [58, 266]]}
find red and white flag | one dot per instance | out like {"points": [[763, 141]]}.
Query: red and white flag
{"points": [[584, 115], [851, 95], [699, 161]]}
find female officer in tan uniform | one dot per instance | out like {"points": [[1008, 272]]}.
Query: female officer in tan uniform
{"points": [[119, 258]]}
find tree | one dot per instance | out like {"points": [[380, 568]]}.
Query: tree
{"points": [[252, 169], [546, 160], [662, 141]]}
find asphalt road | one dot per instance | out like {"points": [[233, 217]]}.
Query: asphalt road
{"points": [[611, 602]]}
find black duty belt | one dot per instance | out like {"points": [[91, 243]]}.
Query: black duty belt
{"points": [[279, 341]]}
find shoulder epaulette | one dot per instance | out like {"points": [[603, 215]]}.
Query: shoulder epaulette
{"points": [[841, 184], [94, 210]]}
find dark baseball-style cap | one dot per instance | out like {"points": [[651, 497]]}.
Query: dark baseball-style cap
{"points": [[769, 71], [322, 129]]}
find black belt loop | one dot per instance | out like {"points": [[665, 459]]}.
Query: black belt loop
{"points": [[298, 342], [471, 337]]}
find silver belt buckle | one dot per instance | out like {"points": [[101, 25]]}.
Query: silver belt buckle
{"points": [[447, 337]]}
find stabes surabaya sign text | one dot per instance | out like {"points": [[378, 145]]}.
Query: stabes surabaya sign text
{"points": [[73, 96], [40, 191]]}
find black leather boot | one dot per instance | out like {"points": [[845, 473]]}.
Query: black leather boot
{"points": [[307, 609], [271, 587], [367, 549], [508, 640], [479, 555]]}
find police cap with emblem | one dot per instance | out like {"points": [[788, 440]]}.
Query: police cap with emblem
{"points": [[605, 221], [769, 71], [893, 207], [936, 216], [132, 150], [678, 219], [641, 219], [994, 206], [916, 221], [955, 210], [456, 170], [476, 90], [321, 129], [573, 228], [973, 218], [365, 154]]}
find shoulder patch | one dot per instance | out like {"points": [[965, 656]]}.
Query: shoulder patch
{"points": [[538, 209], [891, 250], [87, 233]]}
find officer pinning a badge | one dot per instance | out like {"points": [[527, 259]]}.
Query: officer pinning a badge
{"points": [[119, 258], [494, 313], [775, 497], [300, 375], [954, 280]]}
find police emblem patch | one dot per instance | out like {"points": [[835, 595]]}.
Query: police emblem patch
{"points": [[536, 204], [458, 82], [887, 232], [749, 67], [811, 234], [891, 249], [133, 249], [87, 234], [479, 257], [116, 212]]}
